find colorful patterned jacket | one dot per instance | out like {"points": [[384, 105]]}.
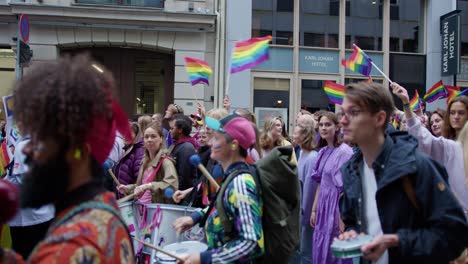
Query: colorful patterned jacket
{"points": [[243, 208], [89, 236]]}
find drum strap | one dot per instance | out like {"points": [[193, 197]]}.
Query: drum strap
{"points": [[155, 221], [155, 171]]}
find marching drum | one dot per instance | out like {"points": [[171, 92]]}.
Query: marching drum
{"points": [[160, 218], [128, 214], [180, 249]]}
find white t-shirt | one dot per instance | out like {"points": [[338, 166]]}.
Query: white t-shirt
{"points": [[26, 216], [374, 228]]}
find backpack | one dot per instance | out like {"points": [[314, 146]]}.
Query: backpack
{"points": [[278, 185]]}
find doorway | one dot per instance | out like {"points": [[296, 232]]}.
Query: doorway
{"points": [[144, 79]]}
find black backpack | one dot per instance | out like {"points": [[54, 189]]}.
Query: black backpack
{"points": [[278, 184]]}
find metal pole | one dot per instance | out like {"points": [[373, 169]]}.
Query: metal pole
{"points": [[18, 69]]}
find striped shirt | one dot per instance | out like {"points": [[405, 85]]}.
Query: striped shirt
{"points": [[243, 207]]}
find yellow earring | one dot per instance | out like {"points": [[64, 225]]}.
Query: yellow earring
{"points": [[233, 146], [77, 154]]}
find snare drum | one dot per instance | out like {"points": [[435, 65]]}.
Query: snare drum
{"points": [[161, 216], [180, 249]]}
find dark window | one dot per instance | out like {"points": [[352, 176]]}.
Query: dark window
{"points": [[348, 42], [332, 41], [335, 8], [394, 10], [260, 33], [314, 40], [314, 97], [463, 6], [410, 71], [317, 27], [284, 6], [364, 25], [394, 44], [284, 38], [407, 28], [365, 43], [410, 45], [464, 48]]}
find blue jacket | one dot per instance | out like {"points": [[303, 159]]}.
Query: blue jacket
{"points": [[437, 232]]}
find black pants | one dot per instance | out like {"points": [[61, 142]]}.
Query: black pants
{"points": [[25, 238]]}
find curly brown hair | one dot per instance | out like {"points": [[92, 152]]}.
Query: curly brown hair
{"points": [[61, 99]]}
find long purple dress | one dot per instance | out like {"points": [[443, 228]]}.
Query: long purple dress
{"points": [[327, 173]]}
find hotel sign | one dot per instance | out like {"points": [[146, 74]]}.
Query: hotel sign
{"points": [[450, 40]]}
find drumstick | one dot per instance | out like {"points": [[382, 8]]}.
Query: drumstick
{"points": [[126, 198], [159, 249], [196, 161], [113, 177]]}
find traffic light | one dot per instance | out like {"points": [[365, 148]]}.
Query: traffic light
{"points": [[25, 53]]}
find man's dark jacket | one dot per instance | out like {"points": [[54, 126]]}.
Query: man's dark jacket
{"points": [[181, 151], [437, 232]]}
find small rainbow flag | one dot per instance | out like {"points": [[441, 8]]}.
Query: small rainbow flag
{"points": [[334, 91], [358, 62], [4, 158], [415, 102], [437, 91], [452, 91], [248, 54], [395, 121], [198, 70]]}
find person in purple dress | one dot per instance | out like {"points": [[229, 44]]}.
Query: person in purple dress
{"points": [[304, 137], [325, 217]]}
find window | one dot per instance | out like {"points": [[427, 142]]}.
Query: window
{"points": [[317, 27], [463, 6], [314, 97], [314, 40], [275, 18], [335, 7], [410, 71], [408, 30], [284, 6], [364, 26], [271, 92]]}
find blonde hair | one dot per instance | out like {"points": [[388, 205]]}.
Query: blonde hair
{"points": [[143, 123], [217, 113], [266, 138], [463, 139]]}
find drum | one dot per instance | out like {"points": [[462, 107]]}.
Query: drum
{"points": [[127, 211], [350, 248], [160, 217], [180, 249]]}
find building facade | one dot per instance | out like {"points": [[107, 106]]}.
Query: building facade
{"points": [[311, 37], [143, 43]]}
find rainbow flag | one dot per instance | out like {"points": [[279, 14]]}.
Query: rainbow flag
{"points": [[415, 102], [395, 121], [248, 54], [4, 158], [334, 91], [437, 91], [358, 62], [452, 92], [198, 70]]}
